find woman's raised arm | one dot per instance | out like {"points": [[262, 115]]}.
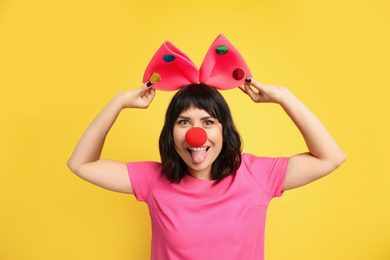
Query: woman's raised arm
{"points": [[85, 160], [324, 154]]}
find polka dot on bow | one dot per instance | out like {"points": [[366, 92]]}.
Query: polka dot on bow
{"points": [[169, 58], [155, 78], [238, 74], [221, 50]]}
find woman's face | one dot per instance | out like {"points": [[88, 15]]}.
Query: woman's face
{"points": [[199, 161]]}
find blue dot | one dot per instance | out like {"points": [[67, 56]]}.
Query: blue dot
{"points": [[168, 57]]}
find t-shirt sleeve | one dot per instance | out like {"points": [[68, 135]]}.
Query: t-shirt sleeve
{"points": [[269, 172], [143, 175]]}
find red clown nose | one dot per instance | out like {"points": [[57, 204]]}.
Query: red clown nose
{"points": [[196, 137]]}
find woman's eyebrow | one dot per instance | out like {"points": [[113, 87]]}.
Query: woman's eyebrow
{"points": [[203, 118], [183, 117]]}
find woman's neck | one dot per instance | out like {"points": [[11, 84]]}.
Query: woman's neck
{"points": [[203, 175]]}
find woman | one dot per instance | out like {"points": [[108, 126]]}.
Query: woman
{"points": [[209, 201]]}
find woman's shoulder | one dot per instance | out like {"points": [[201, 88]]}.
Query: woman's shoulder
{"points": [[248, 158], [143, 176], [261, 162], [145, 166]]}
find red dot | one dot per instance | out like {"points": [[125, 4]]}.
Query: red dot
{"points": [[238, 74]]}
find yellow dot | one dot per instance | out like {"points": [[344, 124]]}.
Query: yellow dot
{"points": [[155, 78]]}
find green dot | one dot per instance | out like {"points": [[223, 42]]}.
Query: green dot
{"points": [[221, 50]]}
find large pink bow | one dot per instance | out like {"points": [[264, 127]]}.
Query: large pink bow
{"points": [[223, 67]]}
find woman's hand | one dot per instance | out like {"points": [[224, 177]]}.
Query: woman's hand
{"points": [[264, 93], [136, 98]]}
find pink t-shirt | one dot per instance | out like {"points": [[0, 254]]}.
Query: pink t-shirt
{"points": [[195, 220]]}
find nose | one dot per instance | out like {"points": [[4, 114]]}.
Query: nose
{"points": [[196, 137]]}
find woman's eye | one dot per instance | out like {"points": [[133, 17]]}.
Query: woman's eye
{"points": [[209, 122], [184, 122]]}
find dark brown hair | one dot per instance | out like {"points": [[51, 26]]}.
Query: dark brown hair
{"points": [[209, 99]]}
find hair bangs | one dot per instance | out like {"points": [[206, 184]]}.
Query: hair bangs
{"points": [[198, 96]]}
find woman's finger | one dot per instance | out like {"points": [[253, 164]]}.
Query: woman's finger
{"points": [[151, 94], [145, 87], [242, 87], [252, 93], [257, 84], [147, 95]]}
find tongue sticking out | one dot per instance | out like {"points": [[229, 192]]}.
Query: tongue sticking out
{"points": [[199, 155]]}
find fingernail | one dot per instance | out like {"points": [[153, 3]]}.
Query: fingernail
{"points": [[248, 80], [149, 84]]}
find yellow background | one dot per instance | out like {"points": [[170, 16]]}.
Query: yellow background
{"points": [[62, 61]]}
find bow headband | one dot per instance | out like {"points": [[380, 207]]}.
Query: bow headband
{"points": [[223, 67]]}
